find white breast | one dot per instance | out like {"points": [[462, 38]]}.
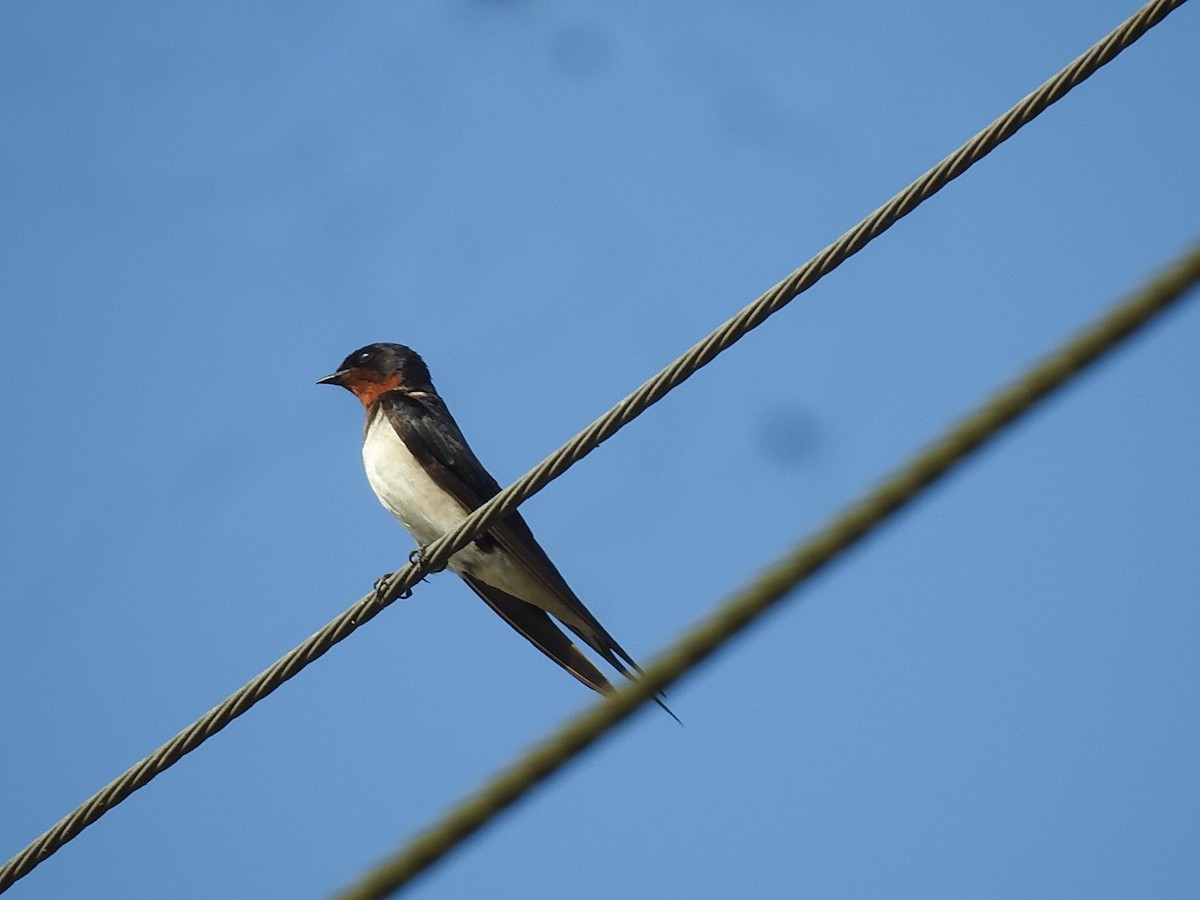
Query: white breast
{"points": [[428, 512], [404, 488]]}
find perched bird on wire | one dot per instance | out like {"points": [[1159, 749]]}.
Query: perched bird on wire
{"points": [[423, 472]]}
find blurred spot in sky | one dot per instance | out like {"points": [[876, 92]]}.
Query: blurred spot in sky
{"points": [[580, 51], [753, 115], [789, 436]]}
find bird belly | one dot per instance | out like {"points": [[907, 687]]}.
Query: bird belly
{"points": [[427, 511], [404, 487]]}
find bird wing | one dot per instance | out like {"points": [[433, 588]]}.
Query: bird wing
{"points": [[426, 427], [536, 626]]}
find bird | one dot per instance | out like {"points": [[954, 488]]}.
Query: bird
{"points": [[425, 474]]}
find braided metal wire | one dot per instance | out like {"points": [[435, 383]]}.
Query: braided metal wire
{"points": [[787, 290], [437, 553], [781, 580]]}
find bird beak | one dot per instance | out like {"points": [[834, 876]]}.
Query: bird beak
{"points": [[335, 378]]}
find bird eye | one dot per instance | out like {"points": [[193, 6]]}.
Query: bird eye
{"points": [[364, 356]]}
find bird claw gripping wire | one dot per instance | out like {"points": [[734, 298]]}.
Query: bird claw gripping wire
{"points": [[421, 561], [381, 586], [416, 558]]}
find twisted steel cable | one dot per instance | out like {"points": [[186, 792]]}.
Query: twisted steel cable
{"points": [[781, 580], [435, 555]]}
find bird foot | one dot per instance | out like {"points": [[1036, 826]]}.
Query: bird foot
{"points": [[381, 584], [421, 561]]}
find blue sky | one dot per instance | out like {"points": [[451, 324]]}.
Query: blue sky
{"points": [[207, 207]]}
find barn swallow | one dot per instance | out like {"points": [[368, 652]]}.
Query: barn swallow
{"points": [[424, 473]]}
